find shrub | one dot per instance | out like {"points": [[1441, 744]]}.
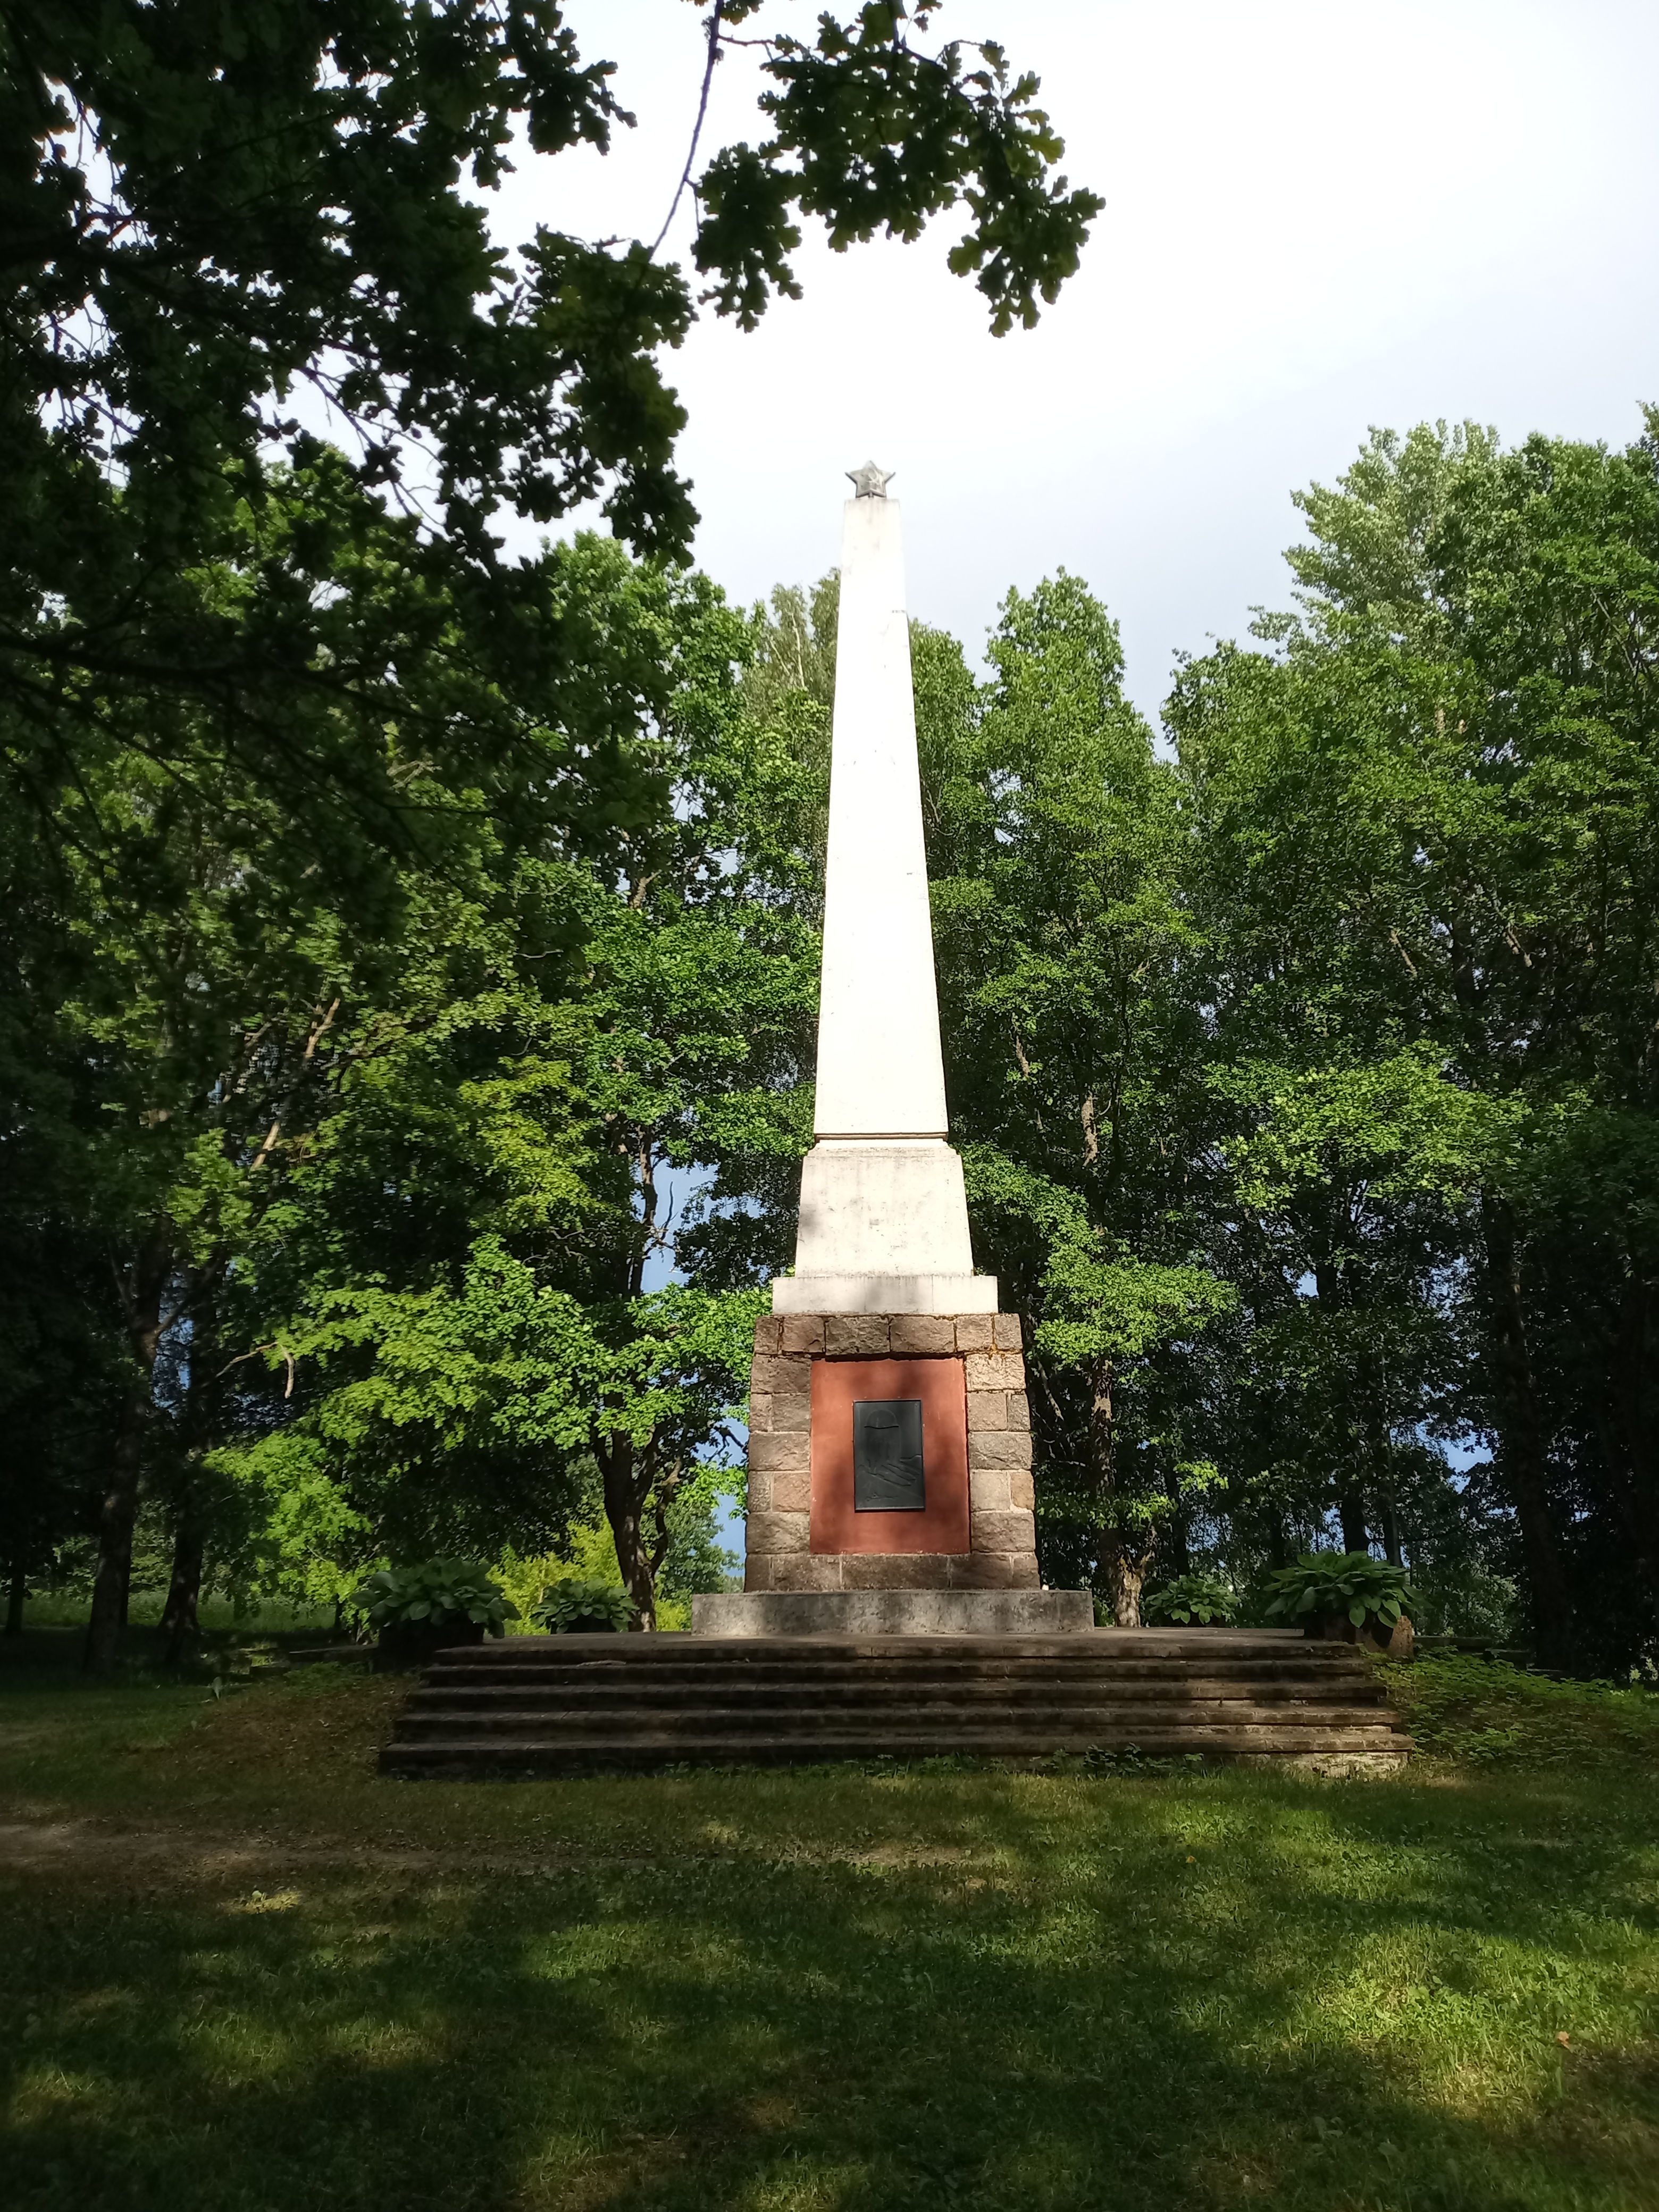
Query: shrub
{"points": [[1205, 1599], [1350, 1582], [571, 1605], [437, 1590]]}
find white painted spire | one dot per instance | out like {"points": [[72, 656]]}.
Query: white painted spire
{"points": [[880, 1070], [883, 1221]]}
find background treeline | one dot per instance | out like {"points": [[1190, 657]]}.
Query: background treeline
{"points": [[385, 913], [1302, 1057]]}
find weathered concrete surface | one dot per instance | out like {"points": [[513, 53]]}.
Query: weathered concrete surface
{"points": [[893, 1612]]}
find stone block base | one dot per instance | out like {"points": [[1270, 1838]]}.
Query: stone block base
{"points": [[802, 1540], [893, 1613]]}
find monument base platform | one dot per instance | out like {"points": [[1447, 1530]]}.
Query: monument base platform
{"points": [[893, 1612], [590, 1703]]}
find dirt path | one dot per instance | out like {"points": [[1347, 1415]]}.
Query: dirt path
{"points": [[83, 1846]]}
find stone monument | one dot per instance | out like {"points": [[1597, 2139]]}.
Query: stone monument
{"points": [[890, 1449]]}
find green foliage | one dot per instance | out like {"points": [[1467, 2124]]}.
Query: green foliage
{"points": [[578, 1603], [1185, 1599], [1474, 1711], [435, 1590], [1324, 1583]]}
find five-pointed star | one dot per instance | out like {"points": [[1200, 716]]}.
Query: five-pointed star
{"points": [[870, 482]]}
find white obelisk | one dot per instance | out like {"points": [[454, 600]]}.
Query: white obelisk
{"points": [[883, 1220]]}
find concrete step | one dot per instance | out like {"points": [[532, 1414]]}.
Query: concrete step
{"points": [[577, 1704], [826, 1674], [1114, 1646], [881, 1695], [460, 1757], [1094, 1723]]}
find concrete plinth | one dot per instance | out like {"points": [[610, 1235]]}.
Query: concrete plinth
{"points": [[883, 1229], [893, 1613]]}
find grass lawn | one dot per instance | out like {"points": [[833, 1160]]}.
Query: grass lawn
{"points": [[239, 1972]]}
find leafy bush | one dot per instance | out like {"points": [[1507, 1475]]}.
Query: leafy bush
{"points": [[436, 1590], [1350, 1582], [1205, 1599], [570, 1605]]}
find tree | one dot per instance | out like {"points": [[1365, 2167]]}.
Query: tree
{"points": [[225, 224], [1055, 847], [454, 1290], [1438, 795]]}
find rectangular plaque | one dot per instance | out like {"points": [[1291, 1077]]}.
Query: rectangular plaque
{"points": [[887, 1469]]}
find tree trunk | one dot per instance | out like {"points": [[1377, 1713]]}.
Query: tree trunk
{"points": [[118, 1507], [180, 1625], [1521, 1460], [1351, 1504], [117, 1510], [18, 1594], [1627, 1432], [1126, 1563], [1129, 1572], [624, 1509], [1391, 1532], [1330, 1290]]}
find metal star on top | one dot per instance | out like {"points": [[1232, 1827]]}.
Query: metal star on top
{"points": [[870, 482]]}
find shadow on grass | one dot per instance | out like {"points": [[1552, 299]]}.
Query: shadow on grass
{"points": [[869, 1995]]}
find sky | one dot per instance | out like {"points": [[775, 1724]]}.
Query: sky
{"points": [[1319, 217]]}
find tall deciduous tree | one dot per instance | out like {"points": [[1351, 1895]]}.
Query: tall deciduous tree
{"points": [[226, 223], [1439, 796]]}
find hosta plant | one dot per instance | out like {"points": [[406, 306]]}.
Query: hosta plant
{"points": [[1351, 1584], [580, 1604], [1186, 1600], [437, 1590]]}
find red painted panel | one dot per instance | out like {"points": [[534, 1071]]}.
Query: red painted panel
{"points": [[837, 1526]]}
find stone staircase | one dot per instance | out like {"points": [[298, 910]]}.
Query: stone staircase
{"points": [[582, 1704]]}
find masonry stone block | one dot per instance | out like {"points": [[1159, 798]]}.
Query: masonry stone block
{"points": [[987, 1491], [988, 1409], [995, 1571], [1002, 1448], [760, 1410], [1008, 1333], [1019, 1410], [800, 1333], [975, 1331], [766, 1334], [773, 1452], [922, 1336], [776, 1532], [760, 1494], [791, 1491], [856, 1336], [995, 1370], [1022, 1491], [799, 1570], [1011, 1531], [791, 1412], [895, 1570]]}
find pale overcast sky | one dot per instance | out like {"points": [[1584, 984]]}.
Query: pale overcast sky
{"points": [[1319, 217]]}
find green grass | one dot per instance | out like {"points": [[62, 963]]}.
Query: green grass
{"points": [[241, 1973]]}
